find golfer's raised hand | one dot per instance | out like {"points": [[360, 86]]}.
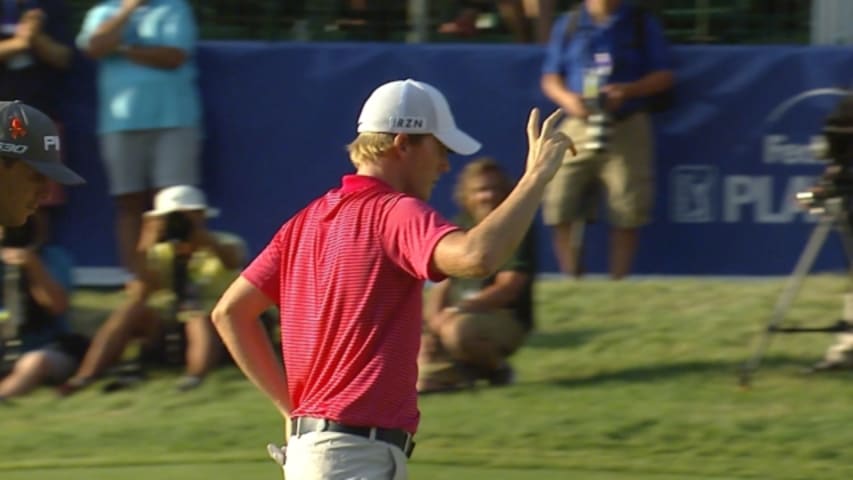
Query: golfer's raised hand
{"points": [[546, 145]]}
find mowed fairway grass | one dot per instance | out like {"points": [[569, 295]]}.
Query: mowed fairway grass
{"points": [[631, 380]]}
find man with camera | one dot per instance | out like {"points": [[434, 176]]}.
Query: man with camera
{"points": [[833, 196], [37, 344], [187, 267], [606, 66], [29, 156]]}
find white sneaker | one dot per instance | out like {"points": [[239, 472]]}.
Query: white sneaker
{"points": [[188, 382]]}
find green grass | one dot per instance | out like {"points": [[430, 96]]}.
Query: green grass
{"points": [[621, 380], [267, 469]]}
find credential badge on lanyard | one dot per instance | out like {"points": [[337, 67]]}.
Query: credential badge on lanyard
{"points": [[597, 74]]}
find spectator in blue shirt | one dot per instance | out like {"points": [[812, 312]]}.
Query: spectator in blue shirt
{"points": [[605, 62], [149, 108]]}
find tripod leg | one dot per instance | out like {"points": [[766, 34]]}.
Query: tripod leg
{"points": [[792, 287], [576, 246], [846, 241]]}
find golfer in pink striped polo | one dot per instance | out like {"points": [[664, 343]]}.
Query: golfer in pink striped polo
{"points": [[347, 274]]}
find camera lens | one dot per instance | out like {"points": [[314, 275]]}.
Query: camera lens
{"points": [[20, 237], [598, 128], [179, 227], [838, 132]]}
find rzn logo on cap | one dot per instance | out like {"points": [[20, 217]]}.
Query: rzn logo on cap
{"points": [[16, 128], [407, 122]]}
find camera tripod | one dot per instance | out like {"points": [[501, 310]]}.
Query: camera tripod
{"points": [[833, 215], [11, 314]]}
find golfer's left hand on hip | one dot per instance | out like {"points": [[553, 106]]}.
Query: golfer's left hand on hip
{"points": [[278, 454]]}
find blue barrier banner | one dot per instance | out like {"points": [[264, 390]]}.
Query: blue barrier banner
{"points": [[731, 154]]}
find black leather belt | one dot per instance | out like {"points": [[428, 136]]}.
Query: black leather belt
{"points": [[397, 437]]}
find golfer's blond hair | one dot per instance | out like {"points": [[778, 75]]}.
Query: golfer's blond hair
{"points": [[368, 147]]}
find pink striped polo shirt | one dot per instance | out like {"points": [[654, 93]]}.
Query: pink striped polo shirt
{"points": [[347, 274]]}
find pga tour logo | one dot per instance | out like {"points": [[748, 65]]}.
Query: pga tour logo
{"points": [[692, 190]]}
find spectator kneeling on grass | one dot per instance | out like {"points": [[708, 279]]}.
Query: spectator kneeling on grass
{"points": [[471, 326]]}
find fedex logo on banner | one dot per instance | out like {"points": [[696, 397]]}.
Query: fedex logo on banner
{"points": [[780, 149], [791, 119]]}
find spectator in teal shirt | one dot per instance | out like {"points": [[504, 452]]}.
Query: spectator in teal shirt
{"points": [[149, 108]]}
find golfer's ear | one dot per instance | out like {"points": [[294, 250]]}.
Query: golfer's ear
{"points": [[402, 141]]}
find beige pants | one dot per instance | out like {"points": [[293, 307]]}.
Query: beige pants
{"points": [[841, 352], [499, 328], [624, 173], [340, 456]]}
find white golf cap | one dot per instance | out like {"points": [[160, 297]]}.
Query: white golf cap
{"points": [[180, 197], [409, 106]]}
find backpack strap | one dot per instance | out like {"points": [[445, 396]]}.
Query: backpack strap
{"points": [[639, 17], [573, 22]]}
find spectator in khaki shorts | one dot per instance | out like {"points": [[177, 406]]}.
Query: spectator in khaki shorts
{"points": [[471, 326], [619, 89]]}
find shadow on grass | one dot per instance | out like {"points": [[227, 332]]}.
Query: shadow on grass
{"points": [[562, 339], [780, 364]]}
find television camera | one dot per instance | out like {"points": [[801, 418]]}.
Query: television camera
{"points": [[831, 198]]}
